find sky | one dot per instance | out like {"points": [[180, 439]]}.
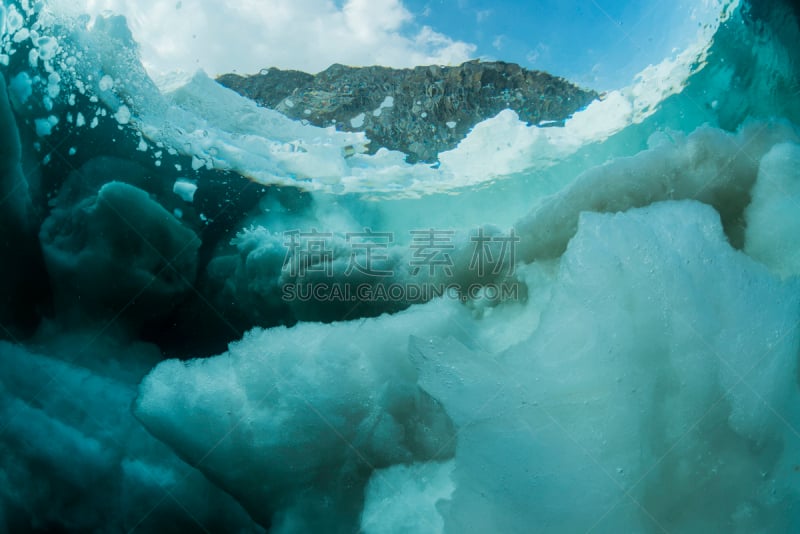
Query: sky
{"points": [[599, 44]]}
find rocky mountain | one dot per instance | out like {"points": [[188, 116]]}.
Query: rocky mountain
{"points": [[420, 111]]}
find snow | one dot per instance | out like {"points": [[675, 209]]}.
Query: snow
{"points": [[357, 121], [388, 102]]}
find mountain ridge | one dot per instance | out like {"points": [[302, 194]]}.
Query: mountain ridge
{"points": [[420, 111]]}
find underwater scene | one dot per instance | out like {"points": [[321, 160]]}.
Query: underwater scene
{"points": [[400, 266]]}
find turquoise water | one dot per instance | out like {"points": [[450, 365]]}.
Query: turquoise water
{"points": [[214, 318]]}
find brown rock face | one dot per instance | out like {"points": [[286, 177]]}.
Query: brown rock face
{"points": [[421, 111]]}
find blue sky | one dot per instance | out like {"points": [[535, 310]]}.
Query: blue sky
{"points": [[598, 43]]}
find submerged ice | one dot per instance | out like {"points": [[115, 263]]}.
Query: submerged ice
{"points": [[153, 376], [651, 383]]}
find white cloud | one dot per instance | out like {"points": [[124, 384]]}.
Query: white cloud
{"points": [[536, 54], [248, 35], [499, 42], [483, 14]]}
